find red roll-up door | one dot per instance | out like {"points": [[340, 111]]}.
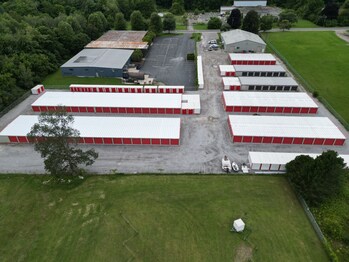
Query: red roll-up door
{"points": [[313, 110], [161, 110], [329, 142], [339, 142], [247, 139], [136, 141], [117, 141], [13, 139], [169, 110], [267, 140], [122, 110], [177, 111], [237, 139], [298, 141], [304, 110], [277, 140], [98, 140], [229, 108], [129, 110], [165, 141], [75, 109], [145, 110], [127, 141], [107, 140], [138, 110], [82, 109], [114, 110], [270, 109], [287, 140], [308, 141], [155, 141], [245, 109], [279, 109], [36, 108], [257, 139], [153, 110], [43, 108], [99, 110], [88, 140], [296, 110], [90, 109], [22, 139], [237, 109], [145, 141], [287, 110], [174, 141], [319, 141], [262, 109]]}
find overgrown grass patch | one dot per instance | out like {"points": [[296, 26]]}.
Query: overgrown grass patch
{"points": [[154, 218], [57, 81], [200, 26]]}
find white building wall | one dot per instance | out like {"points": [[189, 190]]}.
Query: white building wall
{"points": [[250, 3]]}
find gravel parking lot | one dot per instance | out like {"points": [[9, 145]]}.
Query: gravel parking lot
{"points": [[204, 138], [167, 61]]}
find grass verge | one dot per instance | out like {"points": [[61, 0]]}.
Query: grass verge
{"points": [[200, 26], [154, 218], [57, 81]]}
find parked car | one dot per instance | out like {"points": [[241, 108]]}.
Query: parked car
{"points": [[214, 46], [211, 42]]}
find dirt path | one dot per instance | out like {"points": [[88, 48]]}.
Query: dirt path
{"points": [[343, 34]]}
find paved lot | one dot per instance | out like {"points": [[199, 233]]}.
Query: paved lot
{"points": [[204, 138], [167, 61]]}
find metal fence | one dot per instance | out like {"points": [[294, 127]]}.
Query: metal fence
{"points": [[15, 103], [306, 84]]}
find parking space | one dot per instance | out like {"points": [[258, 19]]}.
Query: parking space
{"points": [[167, 61]]}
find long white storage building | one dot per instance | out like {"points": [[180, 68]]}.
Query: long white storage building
{"points": [[252, 70], [274, 161], [251, 59], [269, 102], [259, 83], [105, 130], [126, 89], [118, 103], [284, 130]]}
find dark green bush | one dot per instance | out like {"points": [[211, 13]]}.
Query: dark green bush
{"points": [[191, 56]]}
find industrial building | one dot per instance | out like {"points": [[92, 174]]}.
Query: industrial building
{"points": [[252, 59], [284, 130], [275, 102], [250, 3], [126, 89], [97, 63], [114, 39], [275, 161], [117, 103], [259, 83], [252, 70], [240, 41], [105, 130]]}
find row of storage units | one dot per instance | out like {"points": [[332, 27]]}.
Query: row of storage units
{"points": [[264, 102], [118, 103], [106, 130], [284, 130], [38, 89], [259, 84], [252, 59], [273, 161], [127, 89], [252, 70]]}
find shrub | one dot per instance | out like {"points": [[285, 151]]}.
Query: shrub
{"points": [[149, 37], [137, 56], [214, 23], [196, 11], [315, 94], [191, 56]]}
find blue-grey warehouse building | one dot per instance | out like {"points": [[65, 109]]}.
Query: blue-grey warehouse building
{"points": [[98, 63]]}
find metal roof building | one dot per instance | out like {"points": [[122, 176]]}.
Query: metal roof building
{"points": [[97, 63], [105, 130], [118, 103], [114, 39], [252, 59], [275, 102], [231, 83], [240, 41], [250, 3], [268, 83], [252, 70], [274, 161], [284, 130]]}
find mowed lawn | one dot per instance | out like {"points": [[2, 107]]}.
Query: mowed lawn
{"points": [[322, 59], [178, 218], [56, 80]]}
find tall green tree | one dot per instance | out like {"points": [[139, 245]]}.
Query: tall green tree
{"points": [[177, 7], [120, 22], [155, 24], [251, 22], [169, 22], [284, 25], [266, 22], [214, 23], [317, 179], [235, 18], [56, 140], [289, 15], [146, 7], [96, 24], [137, 21]]}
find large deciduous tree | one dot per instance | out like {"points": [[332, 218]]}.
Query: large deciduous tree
{"points": [[169, 22], [155, 24], [214, 23], [56, 140], [234, 19], [137, 21], [317, 179], [120, 22], [289, 15], [251, 22], [266, 22], [96, 24]]}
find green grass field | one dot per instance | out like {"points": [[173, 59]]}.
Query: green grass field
{"points": [[322, 59], [56, 80], [304, 24], [179, 23], [178, 218], [200, 26]]}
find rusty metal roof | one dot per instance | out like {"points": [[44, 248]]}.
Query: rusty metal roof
{"points": [[120, 40]]}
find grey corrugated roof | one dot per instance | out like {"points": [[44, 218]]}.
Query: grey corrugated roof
{"points": [[105, 58], [235, 36]]}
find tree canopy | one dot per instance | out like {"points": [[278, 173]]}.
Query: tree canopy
{"points": [[235, 18], [251, 22], [120, 22], [56, 140], [317, 179], [155, 24], [137, 21], [169, 22]]}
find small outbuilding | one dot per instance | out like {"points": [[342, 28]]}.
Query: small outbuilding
{"points": [[239, 225], [239, 41], [97, 63], [250, 3]]}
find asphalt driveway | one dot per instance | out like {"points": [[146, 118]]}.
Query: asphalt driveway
{"points": [[167, 62]]}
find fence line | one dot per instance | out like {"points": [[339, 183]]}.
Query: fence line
{"points": [[306, 84], [15, 103]]}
